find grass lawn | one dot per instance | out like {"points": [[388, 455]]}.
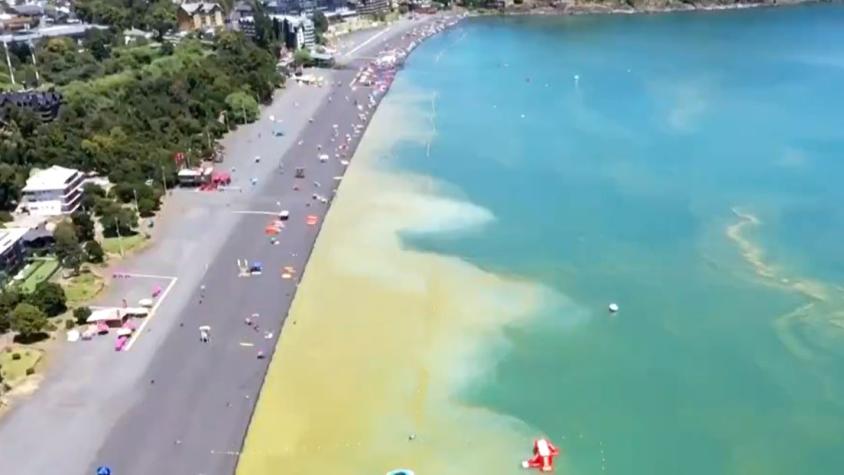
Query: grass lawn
{"points": [[42, 270], [112, 245], [14, 370], [82, 288]]}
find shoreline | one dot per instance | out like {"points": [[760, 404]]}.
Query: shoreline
{"points": [[365, 305], [622, 8], [377, 76]]}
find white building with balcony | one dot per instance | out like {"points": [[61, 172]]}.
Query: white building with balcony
{"points": [[51, 192]]}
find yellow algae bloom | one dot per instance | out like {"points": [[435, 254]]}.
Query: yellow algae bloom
{"points": [[381, 339]]}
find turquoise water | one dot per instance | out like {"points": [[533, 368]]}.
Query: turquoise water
{"points": [[727, 356]]}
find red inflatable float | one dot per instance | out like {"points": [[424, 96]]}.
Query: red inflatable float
{"points": [[543, 456]]}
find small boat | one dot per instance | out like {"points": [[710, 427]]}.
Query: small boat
{"points": [[401, 471], [613, 307]]}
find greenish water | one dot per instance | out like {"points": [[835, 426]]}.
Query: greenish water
{"points": [[621, 186]]}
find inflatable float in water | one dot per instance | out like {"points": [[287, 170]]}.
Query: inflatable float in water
{"points": [[543, 456]]}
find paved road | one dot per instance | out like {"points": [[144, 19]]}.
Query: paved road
{"points": [[98, 406], [193, 418]]}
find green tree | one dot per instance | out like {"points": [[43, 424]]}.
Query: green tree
{"points": [[242, 107], [9, 299], [99, 42], [167, 48], [90, 194], [49, 297], [161, 18], [118, 219], [125, 192], [67, 246], [94, 252], [81, 314], [10, 186], [28, 320], [320, 22], [146, 207], [302, 57], [265, 32], [101, 205], [83, 225]]}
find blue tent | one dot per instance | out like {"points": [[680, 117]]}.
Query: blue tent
{"points": [[103, 470]]}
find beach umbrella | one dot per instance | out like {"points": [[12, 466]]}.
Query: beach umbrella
{"points": [[103, 470]]}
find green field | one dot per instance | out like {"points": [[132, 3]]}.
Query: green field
{"points": [[112, 245], [39, 271], [13, 370], [82, 288]]}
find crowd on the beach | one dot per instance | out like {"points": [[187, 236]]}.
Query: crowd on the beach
{"points": [[381, 71]]}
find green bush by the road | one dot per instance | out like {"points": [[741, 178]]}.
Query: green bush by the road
{"points": [[49, 297], [28, 320], [81, 315]]}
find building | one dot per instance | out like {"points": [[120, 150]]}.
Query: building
{"points": [[373, 7], [133, 35], [14, 23], [240, 11], [246, 25], [51, 192], [77, 30], [12, 251], [45, 104], [197, 16], [32, 10]]}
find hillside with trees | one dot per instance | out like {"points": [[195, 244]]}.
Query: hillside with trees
{"points": [[127, 110]]}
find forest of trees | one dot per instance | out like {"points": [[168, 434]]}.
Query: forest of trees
{"points": [[127, 110], [156, 15]]}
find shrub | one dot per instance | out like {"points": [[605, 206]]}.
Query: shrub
{"points": [[16, 356], [28, 320], [146, 207], [69, 324], [30, 371], [94, 252], [81, 314], [49, 297]]}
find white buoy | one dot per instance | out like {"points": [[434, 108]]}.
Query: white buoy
{"points": [[576, 80], [613, 307]]}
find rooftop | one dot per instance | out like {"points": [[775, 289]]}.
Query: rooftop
{"points": [[53, 178], [200, 7], [49, 31], [9, 236]]}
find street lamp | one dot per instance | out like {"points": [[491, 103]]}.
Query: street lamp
{"points": [[119, 237]]}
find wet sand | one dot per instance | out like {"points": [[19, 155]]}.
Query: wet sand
{"points": [[381, 339]]}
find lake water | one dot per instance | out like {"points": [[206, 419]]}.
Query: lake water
{"points": [[524, 173]]}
